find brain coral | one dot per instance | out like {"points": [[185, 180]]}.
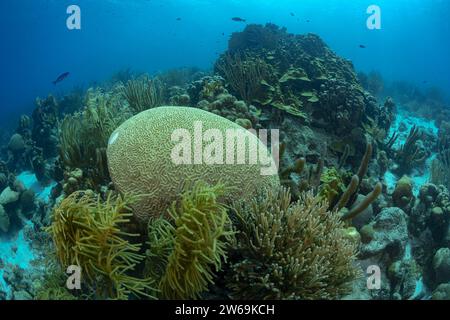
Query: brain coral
{"points": [[140, 161]]}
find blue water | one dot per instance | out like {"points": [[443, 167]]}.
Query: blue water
{"points": [[146, 36]]}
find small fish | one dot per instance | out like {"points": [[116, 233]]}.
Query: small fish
{"points": [[307, 20], [61, 77], [237, 19], [223, 33], [292, 14], [362, 46], [178, 19]]}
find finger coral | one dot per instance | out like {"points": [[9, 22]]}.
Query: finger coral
{"points": [[196, 240], [290, 251], [87, 233]]}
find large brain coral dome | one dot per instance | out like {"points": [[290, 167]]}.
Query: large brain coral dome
{"points": [[140, 159]]}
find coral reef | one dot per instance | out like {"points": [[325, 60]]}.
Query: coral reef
{"points": [[330, 185], [152, 203], [52, 286], [441, 265], [244, 74], [44, 131], [440, 169], [372, 82], [209, 94], [4, 220], [410, 154], [442, 292], [389, 231], [180, 76], [143, 93], [84, 139], [403, 193]]}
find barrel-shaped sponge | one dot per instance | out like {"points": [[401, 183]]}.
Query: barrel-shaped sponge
{"points": [[154, 154]]}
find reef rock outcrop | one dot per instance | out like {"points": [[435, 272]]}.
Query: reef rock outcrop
{"points": [[298, 74], [389, 230]]}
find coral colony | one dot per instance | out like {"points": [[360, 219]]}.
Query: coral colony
{"points": [[113, 181]]}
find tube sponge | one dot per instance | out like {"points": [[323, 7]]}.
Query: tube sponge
{"points": [[140, 158]]}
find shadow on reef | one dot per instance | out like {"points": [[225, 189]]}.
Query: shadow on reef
{"points": [[359, 183]]}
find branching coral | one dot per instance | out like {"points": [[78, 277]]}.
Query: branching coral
{"points": [[243, 73], [410, 154], [213, 97], [143, 94], [84, 137], [440, 169], [348, 197], [87, 233], [196, 241], [45, 118], [329, 184], [290, 251]]}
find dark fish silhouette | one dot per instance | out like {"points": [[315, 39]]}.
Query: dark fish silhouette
{"points": [[307, 20], [292, 14], [362, 46], [61, 77], [237, 19], [178, 19]]}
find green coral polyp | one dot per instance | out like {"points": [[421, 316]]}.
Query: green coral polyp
{"points": [[332, 185]]}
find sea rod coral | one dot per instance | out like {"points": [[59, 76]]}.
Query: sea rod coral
{"points": [[84, 137]]}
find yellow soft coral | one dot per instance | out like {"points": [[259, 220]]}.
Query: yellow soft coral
{"points": [[196, 241], [87, 232]]}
